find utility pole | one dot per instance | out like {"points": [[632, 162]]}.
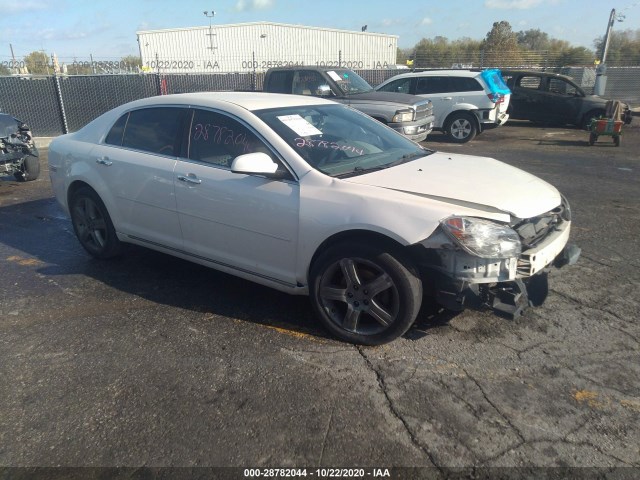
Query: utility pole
{"points": [[601, 69], [13, 57], [210, 34]]}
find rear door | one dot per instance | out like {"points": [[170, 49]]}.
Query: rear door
{"points": [[136, 163], [528, 98]]}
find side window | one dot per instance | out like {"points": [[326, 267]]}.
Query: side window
{"points": [[306, 82], [280, 81], [427, 85], [153, 130], [114, 137], [529, 82], [217, 139], [561, 87], [465, 84], [403, 85]]}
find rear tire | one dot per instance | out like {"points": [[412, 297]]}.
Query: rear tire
{"points": [[30, 169], [592, 138], [616, 140], [365, 294], [92, 224], [461, 127]]}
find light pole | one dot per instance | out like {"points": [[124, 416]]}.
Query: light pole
{"points": [[210, 34], [601, 69]]}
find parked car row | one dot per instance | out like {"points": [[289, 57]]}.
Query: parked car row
{"points": [[312, 197]]}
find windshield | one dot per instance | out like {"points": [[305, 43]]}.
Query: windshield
{"points": [[340, 141], [349, 82]]}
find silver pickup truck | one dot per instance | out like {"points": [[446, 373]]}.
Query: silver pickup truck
{"points": [[408, 114]]}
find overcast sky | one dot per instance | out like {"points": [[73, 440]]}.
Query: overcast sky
{"points": [[107, 29]]}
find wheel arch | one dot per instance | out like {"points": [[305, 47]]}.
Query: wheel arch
{"points": [[75, 186], [465, 111], [368, 237]]}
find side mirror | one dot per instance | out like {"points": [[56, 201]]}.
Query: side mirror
{"points": [[257, 163], [324, 91]]}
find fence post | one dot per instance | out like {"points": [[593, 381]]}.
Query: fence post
{"points": [[253, 77], [63, 114], [339, 58], [482, 58]]}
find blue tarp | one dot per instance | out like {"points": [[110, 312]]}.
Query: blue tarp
{"points": [[494, 81]]}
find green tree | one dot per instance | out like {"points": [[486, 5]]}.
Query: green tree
{"points": [[501, 46], [38, 63], [4, 71], [533, 39], [574, 56], [624, 48], [131, 62]]}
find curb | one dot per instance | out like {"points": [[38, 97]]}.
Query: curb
{"points": [[43, 142]]}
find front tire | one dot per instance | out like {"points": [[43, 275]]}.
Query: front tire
{"points": [[461, 127], [92, 224], [365, 294], [29, 171], [591, 115]]}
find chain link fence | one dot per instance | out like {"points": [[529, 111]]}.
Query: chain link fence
{"points": [[53, 105]]}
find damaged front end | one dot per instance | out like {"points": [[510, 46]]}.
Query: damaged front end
{"points": [[18, 152], [476, 263]]}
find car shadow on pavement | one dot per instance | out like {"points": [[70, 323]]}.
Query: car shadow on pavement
{"points": [[565, 143], [40, 232]]}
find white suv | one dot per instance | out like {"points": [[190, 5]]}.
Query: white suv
{"points": [[465, 102]]}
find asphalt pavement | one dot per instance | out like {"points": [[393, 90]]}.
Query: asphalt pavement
{"points": [[148, 360]]}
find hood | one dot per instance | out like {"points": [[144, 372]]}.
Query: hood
{"points": [[389, 97], [596, 99], [474, 182]]}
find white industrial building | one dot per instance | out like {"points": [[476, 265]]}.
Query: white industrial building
{"points": [[246, 47]]}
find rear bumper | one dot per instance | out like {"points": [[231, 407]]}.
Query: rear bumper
{"points": [[492, 118]]}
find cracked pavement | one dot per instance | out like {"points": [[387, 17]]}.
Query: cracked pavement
{"points": [[149, 360]]}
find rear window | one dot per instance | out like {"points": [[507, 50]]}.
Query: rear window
{"points": [[465, 84], [529, 82], [428, 85], [114, 136], [153, 130]]}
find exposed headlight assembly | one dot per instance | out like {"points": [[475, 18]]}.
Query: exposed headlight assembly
{"points": [[483, 238], [403, 116]]}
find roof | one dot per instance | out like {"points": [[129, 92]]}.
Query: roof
{"points": [[250, 24], [247, 100], [534, 73], [451, 73]]}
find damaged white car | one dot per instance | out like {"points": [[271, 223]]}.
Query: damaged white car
{"points": [[311, 197]]}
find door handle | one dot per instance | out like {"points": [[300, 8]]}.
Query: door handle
{"points": [[447, 98], [104, 161], [190, 178]]}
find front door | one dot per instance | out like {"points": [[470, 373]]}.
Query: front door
{"points": [[244, 222]]}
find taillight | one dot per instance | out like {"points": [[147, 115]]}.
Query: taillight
{"points": [[496, 97]]}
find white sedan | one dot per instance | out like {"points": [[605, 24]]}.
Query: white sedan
{"points": [[314, 198]]}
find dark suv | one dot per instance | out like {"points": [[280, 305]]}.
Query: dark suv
{"points": [[553, 98]]}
